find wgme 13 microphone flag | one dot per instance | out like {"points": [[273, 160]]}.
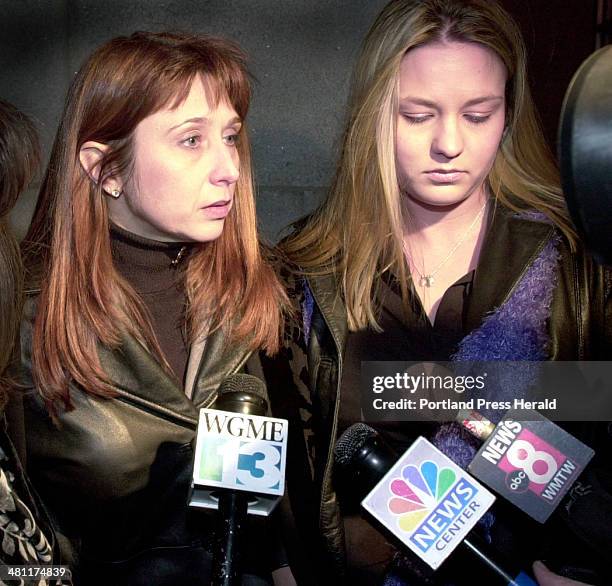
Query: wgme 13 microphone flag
{"points": [[428, 502], [239, 452]]}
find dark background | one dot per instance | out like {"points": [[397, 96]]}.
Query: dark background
{"points": [[302, 53]]}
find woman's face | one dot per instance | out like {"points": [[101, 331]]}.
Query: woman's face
{"points": [[185, 171], [450, 121]]}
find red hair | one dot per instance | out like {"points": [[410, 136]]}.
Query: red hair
{"points": [[83, 300]]}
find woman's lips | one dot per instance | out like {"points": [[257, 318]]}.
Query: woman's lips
{"points": [[445, 176], [218, 210]]}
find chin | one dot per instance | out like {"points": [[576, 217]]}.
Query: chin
{"points": [[439, 200], [208, 233]]}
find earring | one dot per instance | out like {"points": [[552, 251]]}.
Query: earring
{"points": [[115, 193]]}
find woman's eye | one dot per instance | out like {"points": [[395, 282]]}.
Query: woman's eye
{"points": [[477, 118], [192, 141], [416, 118], [231, 139]]}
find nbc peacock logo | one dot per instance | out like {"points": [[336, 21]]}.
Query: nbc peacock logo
{"points": [[428, 502], [417, 492]]}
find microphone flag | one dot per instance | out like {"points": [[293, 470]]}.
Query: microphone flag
{"points": [[428, 502], [237, 451], [533, 464]]}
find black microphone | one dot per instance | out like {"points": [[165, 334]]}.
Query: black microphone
{"points": [[585, 132], [362, 454], [246, 394]]}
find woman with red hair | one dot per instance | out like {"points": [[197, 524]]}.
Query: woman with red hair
{"points": [[147, 286]]}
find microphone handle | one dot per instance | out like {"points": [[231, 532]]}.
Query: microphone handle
{"points": [[227, 558], [499, 572], [242, 396]]}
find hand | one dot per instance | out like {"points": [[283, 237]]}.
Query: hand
{"points": [[283, 577], [547, 578]]}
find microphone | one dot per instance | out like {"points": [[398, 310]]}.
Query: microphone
{"points": [[585, 131], [424, 499], [238, 394], [239, 467], [527, 459], [540, 468]]}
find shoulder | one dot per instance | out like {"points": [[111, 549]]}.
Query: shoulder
{"points": [[316, 299], [581, 304], [576, 263], [546, 234]]}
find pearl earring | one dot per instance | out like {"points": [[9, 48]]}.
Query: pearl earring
{"points": [[115, 193]]}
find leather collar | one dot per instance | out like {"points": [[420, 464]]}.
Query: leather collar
{"points": [[139, 378], [511, 244], [326, 292]]}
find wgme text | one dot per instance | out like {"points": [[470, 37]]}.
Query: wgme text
{"points": [[244, 427]]}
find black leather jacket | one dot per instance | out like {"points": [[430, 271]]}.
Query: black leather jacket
{"points": [[116, 473], [580, 328]]}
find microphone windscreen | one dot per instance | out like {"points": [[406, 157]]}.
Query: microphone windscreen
{"points": [[243, 383], [351, 441], [242, 393]]}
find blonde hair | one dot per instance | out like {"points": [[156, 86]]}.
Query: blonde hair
{"points": [[357, 233]]}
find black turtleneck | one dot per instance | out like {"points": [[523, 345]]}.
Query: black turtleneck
{"points": [[156, 272]]}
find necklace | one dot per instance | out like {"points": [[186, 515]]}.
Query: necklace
{"points": [[179, 257], [427, 280]]}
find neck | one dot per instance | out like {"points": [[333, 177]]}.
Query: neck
{"points": [[132, 252], [442, 244], [440, 224]]}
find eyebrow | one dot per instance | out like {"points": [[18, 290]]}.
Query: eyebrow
{"points": [[430, 104], [204, 121]]}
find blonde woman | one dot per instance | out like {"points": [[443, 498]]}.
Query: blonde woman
{"points": [[444, 236]]}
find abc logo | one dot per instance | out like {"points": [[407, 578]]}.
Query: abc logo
{"points": [[517, 481], [531, 464]]}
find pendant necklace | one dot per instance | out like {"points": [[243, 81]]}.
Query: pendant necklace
{"points": [[427, 280], [179, 257]]}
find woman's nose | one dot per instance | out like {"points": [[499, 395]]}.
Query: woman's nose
{"points": [[226, 165], [448, 140]]}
